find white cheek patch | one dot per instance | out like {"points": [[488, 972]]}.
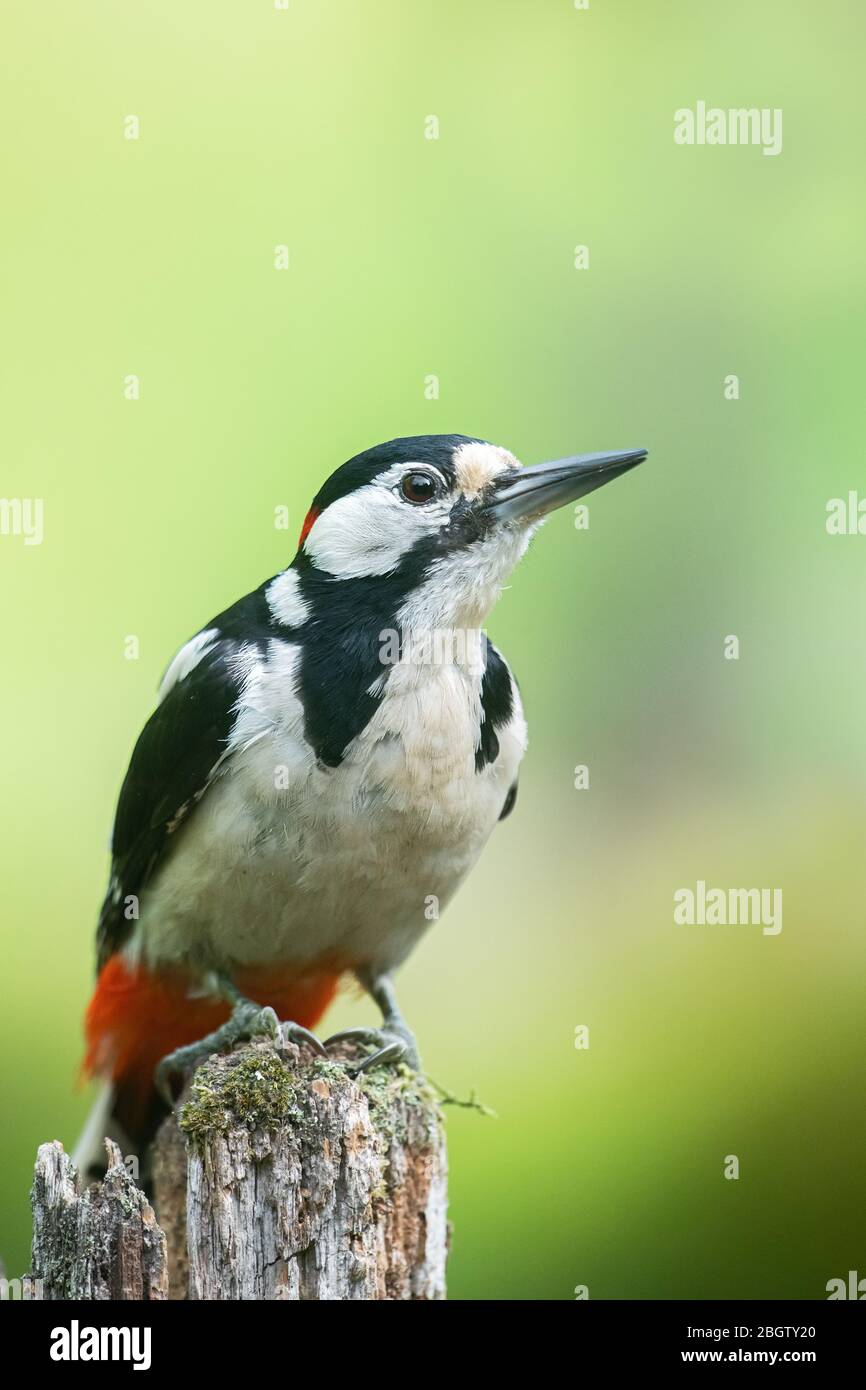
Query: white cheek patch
{"points": [[368, 532], [477, 465]]}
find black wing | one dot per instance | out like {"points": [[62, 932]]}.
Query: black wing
{"points": [[176, 758]]}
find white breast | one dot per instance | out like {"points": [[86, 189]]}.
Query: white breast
{"points": [[286, 861]]}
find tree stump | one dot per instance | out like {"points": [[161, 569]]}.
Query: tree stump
{"points": [[100, 1244], [279, 1176]]}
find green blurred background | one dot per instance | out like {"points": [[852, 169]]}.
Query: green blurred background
{"points": [[455, 257]]}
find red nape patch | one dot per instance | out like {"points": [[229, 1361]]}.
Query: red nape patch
{"points": [[309, 522], [135, 1017]]}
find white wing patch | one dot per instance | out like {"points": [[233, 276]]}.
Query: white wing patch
{"points": [[186, 660], [285, 601]]}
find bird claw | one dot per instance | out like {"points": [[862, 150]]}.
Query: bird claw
{"points": [[261, 1023], [247, 1020], [294, 1033], [166, 1067], [393, 1052], [391, 1046]]}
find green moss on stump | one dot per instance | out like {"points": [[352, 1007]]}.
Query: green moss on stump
{"points": [[393, 1093], [257, 1091]]}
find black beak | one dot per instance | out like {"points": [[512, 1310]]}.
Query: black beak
{"points": [[533, 492]]}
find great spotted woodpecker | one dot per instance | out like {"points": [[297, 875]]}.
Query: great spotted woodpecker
{"points": [[328, 756]]}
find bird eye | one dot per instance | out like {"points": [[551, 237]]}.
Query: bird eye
{"points": [[418, 488]]}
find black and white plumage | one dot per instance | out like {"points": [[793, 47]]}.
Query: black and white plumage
{"points": [[330, 754], [291, 677]]}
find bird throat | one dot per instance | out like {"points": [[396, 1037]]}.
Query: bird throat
{"points": [[355, 637]]}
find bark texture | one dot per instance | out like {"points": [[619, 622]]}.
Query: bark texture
{"points": [[100, 1244], [280, 1176]]}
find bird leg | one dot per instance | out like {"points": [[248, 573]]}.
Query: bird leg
{"points": [[247, 1020], [394, 1041]]}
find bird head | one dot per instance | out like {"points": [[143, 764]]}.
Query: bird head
{"points": [[443, 517]]}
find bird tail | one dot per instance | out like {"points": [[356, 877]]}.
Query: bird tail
{"points": [[136, 1016], [89, 1152]]}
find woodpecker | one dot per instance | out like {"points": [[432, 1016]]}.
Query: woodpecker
{"points": [[326, 757]]}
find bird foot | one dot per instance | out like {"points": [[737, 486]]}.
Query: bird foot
{"points": [[394, 1043], [247, 1020]]}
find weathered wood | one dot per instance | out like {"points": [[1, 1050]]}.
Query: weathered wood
{"points": [[100, 1244], [169, 1199], [280, 1176], [305, 1183]]}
